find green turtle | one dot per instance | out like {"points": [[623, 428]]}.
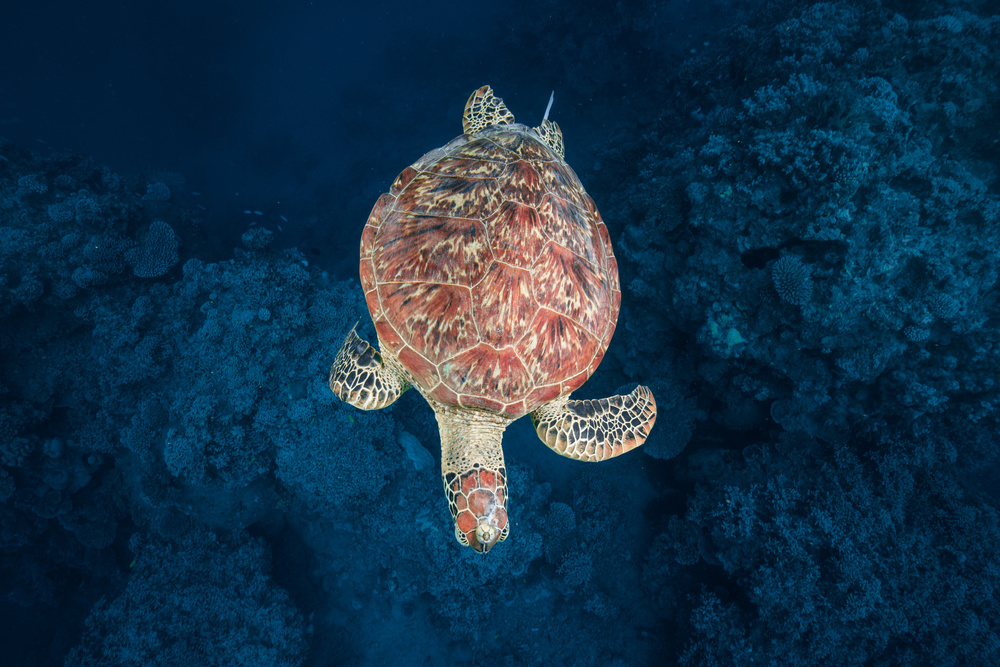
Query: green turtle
{"points": [[490, 278]]}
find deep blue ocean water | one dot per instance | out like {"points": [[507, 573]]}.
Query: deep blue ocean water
{"points": [[804, 203]]}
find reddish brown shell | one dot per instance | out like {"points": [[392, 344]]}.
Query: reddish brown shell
{"points": [[489, 273]]}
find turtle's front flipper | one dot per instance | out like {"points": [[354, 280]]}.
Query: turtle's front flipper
{"points": [[596, 430], [359, 377]]}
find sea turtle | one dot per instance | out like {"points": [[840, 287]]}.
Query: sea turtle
{"points": [[490, 278]]}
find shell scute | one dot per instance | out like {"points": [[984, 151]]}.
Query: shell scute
{"points": [[516, 234], [572, 383], [421, 370], [524, 146], [541, 395], [563, 282], [382, 206], [443, 394], [441, 195], [570, 227], [367, 274], [432, 249], [434, 319], [556, 347], [481, 403], [612, 274], [503, 305], [602, 231], [460, 166], [401, 181], [387, 335], [562, 179], [516, 408], [369, 235], [483, 149], [484, 372], [523, 183], [374, 304], [616, 302]]}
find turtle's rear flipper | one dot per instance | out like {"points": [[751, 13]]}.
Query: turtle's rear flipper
{"points": [[484, 109], [359, 377], [596, 430]]}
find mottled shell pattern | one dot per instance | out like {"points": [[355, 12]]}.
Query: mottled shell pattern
{"points": [[489, 273]]}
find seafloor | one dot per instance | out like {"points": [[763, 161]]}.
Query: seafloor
{"points": [[804, 200]]}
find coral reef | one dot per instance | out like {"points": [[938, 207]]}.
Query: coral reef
{"points": [[805, 211]]}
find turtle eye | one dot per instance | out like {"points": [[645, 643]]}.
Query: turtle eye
{"points": [[486, 535]]}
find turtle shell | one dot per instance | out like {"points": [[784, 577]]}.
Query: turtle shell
{"points": [[489, 273]]}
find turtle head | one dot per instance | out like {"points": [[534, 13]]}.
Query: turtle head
{"points": [[478, 502]]}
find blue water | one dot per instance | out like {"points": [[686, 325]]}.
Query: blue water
{"points": [[804, 200]]}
